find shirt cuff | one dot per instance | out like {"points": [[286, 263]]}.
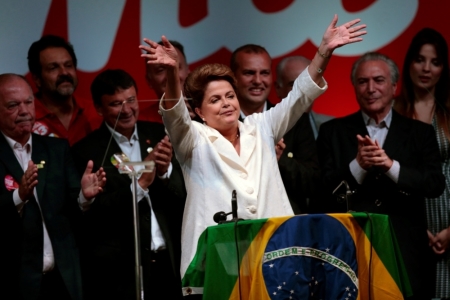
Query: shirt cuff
{"points": [[167, 174], [17, 201], [83, 203], [358, 173], [394, 172], [141, 193], [161, 107]]}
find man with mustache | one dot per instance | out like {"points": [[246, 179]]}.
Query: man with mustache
{"points": [[52, 64], [299, 166]]}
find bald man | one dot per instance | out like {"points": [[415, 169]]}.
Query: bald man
{"points": [[38, 203], [287, 71]]}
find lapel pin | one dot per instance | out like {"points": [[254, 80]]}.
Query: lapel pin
{"points": [[41, 164], [290, 155], [149, 149]]}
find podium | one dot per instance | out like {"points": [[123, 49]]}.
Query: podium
{"points": [[333, 256]]}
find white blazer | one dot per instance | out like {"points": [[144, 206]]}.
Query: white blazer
{"points": [[212, 168]]}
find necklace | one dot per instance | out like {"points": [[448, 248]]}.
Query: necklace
{"points": [[235, 138]]}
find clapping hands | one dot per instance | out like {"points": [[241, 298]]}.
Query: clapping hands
{"points": [[370, 154]]}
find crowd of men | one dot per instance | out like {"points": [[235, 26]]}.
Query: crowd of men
{"points": [[66, 212]]}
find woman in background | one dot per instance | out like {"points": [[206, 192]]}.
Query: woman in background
{"points": [[425, 97]]}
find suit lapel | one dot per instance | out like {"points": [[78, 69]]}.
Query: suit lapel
{"points": [[39, 154], [355, 126], [226, 150], [397, 134], [248, 142], [147, 138], [113, 148], [9, 159]]}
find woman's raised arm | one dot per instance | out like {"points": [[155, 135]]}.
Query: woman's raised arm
{"points": [[165, 55], [334, 37]]}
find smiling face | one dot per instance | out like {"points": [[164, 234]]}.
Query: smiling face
{"points": [[123, 102], [16, 109], [374, 88], [254, 80], [220, 106], [58, 77], [425, 70]]}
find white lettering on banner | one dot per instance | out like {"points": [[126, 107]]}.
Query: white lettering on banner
{"points": [[233, 23], [93, 26]]}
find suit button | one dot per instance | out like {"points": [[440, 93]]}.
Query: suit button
{"points": [[252, 209], [147, 218], [147, 249], [378, 202], [249, 190], [243, 175]]}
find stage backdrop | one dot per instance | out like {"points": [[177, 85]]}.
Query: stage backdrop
{"points": [[106, 33]]}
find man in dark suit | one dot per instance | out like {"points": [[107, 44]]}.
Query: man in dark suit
{"points": [[389, 162], [296, 152], [38, 203], [108, 258]]}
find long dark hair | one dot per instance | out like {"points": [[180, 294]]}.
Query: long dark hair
{"points": [[404, 104]]}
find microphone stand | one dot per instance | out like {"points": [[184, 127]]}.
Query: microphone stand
{"points": [[348, 194], [124, 167]]}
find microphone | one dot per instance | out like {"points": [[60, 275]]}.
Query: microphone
{"points": [[220, 217], [347, 197], [234, 205]]}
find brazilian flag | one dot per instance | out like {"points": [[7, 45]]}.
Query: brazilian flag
{"points": [[334, 256]]}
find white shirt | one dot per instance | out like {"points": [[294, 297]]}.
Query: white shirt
{"points": [[23, 155], [131, 148], [376, 132]]}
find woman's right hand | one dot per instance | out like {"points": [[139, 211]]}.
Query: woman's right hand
{"points": [[155, 53]]}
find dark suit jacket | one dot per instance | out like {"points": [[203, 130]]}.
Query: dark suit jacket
{"points": [[108, 248], [57, 190], [299, 164], [411, 143]]}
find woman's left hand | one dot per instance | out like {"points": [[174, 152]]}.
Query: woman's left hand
{"points": [[165, 54], [335, 37], [442, 241]]}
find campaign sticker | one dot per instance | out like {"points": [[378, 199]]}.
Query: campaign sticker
{"points": [[40, 128], [10, 183]]}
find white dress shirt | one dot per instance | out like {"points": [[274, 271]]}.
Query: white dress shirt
{"points": [[376, 132], [131, 148]]}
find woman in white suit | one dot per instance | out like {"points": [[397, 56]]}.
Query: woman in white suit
{"points": [[224, 154]]}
